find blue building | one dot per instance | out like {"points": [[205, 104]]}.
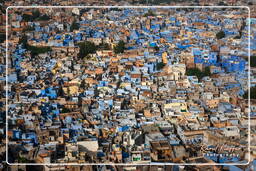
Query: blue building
{"points": [[205, 58], [233, 63], [49, 92]]}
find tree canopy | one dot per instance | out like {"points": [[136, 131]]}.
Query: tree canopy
{"points": [[253, 61], [2, 38], [104, 46], [36, 16], [160, 65], [252, 93], [86, 48], [220, 34], [35, 50], [120, 47], [198, 73], [149, 13], [74, 26]]}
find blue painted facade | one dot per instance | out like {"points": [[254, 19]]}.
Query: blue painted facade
{"points": [[233, 63]]}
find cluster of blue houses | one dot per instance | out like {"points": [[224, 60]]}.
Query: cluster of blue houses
{"points": [[120, 112], [229, 63]]}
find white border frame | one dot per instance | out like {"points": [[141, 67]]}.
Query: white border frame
{"points": [[133, 164]]}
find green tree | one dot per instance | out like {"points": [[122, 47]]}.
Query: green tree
{"points": [[253, 61], [252, 93], [86, 48], [198, 73], [35, 50], [35, 14], [220, 34], [74, 26], [27, 17], [24, 41], [2, 38], [160, 65], [207, 71], [120, 47], [149, 13], [104, 46]]}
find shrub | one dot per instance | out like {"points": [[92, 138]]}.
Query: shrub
{"points": [[253, 61], [74, 26], [198, 73], [160, 65], [149, 13], [220, 35], [120, 47], [252, 93], [86, 48]]}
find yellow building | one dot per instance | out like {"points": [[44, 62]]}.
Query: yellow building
{"points": [[71, 90], [178, 107], [164, 57]]}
